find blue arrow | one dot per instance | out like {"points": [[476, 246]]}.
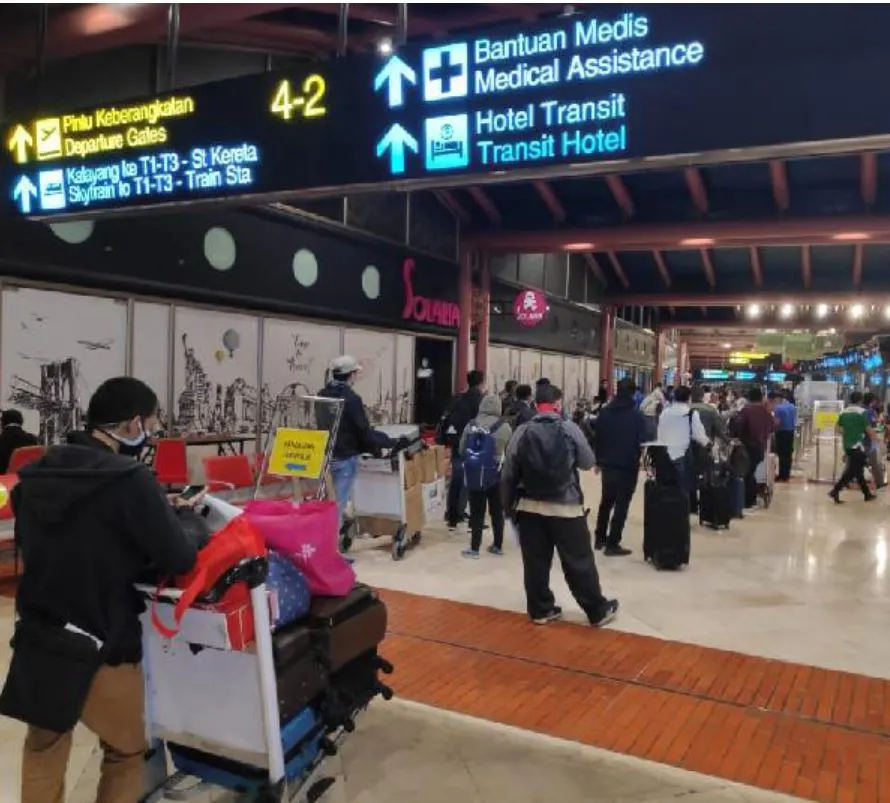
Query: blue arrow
{"points": [[23, 191], [395, 141], [394, 72]]}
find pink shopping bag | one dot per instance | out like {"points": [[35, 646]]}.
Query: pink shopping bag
{"points": [[307, 535]]}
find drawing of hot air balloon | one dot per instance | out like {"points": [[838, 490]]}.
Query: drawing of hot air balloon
{"points": [[231, 340]]}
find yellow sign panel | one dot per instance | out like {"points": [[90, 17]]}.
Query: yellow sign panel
{"points": [[825, 420], [298, 453], [4, 496]]}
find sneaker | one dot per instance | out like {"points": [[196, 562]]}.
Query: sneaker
{"points": [[617, 551], [473, 554], [495, 550], [608, 615], [554, 616]]}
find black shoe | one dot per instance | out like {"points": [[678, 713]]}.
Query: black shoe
{"points": [[553, 615], [836, 496], [617, 551], [608, 615], [599, 543], [871, 498]]}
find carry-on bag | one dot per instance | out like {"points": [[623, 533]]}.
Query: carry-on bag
{"points": [[299, 672], [737, 493], [345, 627], [715, 504], [666, 532]]}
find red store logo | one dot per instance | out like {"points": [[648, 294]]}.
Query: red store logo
{"points": [[426, 310]]}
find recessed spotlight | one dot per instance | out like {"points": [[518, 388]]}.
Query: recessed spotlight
{"points": [[821, 310], [851, 236], [857, 311], [697, 241], [384, 47], [753, 310], [887, 312], [727, 345], [787, 310], [579, 246]]}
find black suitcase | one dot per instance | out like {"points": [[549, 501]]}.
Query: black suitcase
{"points": [[715, 504], [300, 675], [344, 628], [666, 533]]}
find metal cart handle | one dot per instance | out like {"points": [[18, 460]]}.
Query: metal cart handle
{"points": [[252, 571]]}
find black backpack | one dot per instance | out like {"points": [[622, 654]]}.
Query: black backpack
{"points": [[546, 460]]}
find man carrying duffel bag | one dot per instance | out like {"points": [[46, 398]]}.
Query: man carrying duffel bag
{"points": [[89, 518]]}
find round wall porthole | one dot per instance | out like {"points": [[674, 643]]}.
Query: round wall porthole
{"points": [[305, 267], [75, 232], [219, 248], [371, 282]]}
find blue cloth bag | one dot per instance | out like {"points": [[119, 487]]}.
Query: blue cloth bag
{"points": [[288, 589]]}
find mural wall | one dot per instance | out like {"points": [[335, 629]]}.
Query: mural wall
{"points": [[376, 353], [405, 372], [498, 368], [151, 351], [573, 384], [552, 368], [529, 367], [297, 355], [57, 349]]}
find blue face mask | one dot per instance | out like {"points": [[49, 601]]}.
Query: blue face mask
{"points": [[131, 447]]}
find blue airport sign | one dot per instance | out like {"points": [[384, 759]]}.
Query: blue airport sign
{"points": [[571, 94]]}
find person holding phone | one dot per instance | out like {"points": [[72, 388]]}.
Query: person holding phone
{"points": [[89, 520]]}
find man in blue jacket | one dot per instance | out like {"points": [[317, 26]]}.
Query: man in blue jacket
{"points": [[620, 435]]}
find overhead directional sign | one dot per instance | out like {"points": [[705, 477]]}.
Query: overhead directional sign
{"points": [[569, 95]]}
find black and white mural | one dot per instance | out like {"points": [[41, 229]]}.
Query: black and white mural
{"points": [[498, 368], [296, 356], [529, 367], [552, 368], [376, 353], [405, 376], [215, 373], [151, 351], [573, 384], [57, 349]]}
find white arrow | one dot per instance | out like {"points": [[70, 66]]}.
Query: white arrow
{"points": [[396, 140], [24, 190], [394, 72]]}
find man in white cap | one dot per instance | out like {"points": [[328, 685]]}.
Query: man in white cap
{"points": [[355, 436]]}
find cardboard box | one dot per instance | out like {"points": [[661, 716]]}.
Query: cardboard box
{"points": [[443, 462], [225, 626], [434, 500], [428, 466], [412, 473], [387, 525]]}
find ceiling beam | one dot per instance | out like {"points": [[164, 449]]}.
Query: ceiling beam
{"points": [[857, 266], [868, 178], [447, 199], [619, 271], [682, 236], [551, 201], [696, 185], [92, 27], [485, 204], [704, 311], [778, 177], [806, 267], [267, 37], [662, 268], [708, 265], [756, 268], [621, 195], [798, 297], [595, 268]]}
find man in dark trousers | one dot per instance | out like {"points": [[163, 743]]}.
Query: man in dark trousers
{"points": [[464, 408], [13, 436], [786, 420], [542, 495], [90, 518], [619, 436], [754, 427]]}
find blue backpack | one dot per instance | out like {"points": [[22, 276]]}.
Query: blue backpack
{"points": [[482, 468]]}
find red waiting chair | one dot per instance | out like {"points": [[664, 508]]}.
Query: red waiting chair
{"points": [[21, 457], [229, 473], [7, 483], [171, 462]]}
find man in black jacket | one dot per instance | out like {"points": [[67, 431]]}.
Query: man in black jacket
{"points": [[464, 408], [13, 436], [355, 436], [89, 520], [619, 436], [523, 408]]}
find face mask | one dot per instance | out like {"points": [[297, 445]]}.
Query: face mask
{"points": [[131, 447]]}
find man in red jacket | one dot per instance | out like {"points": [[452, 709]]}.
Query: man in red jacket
{"points": [[754, 426]]}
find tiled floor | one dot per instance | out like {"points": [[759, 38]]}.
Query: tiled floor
{"points": [[804, 582]]}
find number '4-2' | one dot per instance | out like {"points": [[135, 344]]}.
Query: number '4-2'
{"points": [[309, 103]]}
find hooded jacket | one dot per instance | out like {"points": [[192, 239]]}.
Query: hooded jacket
{"points": [[619, 435], [355, 435], [89, 522], [489, 414]]}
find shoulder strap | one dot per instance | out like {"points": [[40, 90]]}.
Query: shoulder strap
{"points": [[496, 425]]}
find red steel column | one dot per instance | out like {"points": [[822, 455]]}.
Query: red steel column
{"points": [[682, 362], [660, 346], [465, 296], [607, 353], [483, 327]]}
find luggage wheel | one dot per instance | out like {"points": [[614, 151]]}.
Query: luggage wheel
{"points": [[347, 535], [399, 543], [174, 789]]}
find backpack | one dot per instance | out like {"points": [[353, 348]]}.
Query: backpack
{"points": [[482, 468], [546, 460]]}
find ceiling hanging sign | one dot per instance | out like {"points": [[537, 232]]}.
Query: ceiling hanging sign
{"points": [[530, 308], [571, 93]]}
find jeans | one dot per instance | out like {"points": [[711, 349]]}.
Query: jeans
{"points": [[854, 472], [619, 485], [114, 713], [784, 451], [343, 474], [456, 502], [539, 536], [479, 500], [756, 455]]}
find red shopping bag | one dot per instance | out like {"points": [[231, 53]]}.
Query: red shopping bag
{"points": [[308, 535], [239, 540]]}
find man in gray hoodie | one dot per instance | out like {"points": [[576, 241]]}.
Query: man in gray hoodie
{"points": [[482, 448]]}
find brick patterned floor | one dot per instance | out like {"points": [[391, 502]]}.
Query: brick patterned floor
{"points": [[815, 733]]}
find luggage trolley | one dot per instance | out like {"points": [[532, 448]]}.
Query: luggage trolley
{"points": [[381, 497], [765, 475], [216, 702]]}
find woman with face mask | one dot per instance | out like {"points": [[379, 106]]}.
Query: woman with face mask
{"points": [[89, 519]]}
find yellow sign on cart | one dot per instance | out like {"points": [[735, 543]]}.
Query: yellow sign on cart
{"points": [[298, 453], [825, 420]]}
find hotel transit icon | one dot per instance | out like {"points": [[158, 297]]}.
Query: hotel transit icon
{"points": [[447, 142], [446, 72], [394, 74]]}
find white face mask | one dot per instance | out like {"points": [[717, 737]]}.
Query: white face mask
{"points": [[131, 446]]}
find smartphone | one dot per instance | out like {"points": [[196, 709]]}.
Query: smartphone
{"points": [[191, 491]]}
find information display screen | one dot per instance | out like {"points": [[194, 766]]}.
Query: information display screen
{"points": [[641, 83]]}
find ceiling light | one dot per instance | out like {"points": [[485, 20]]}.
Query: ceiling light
{"points": [[727, 345], [753, 310], [384, 47], [697, 241], [857, 311], [887, 312], [851, 236], [579, 246], [821, 310], [787, 310]]}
